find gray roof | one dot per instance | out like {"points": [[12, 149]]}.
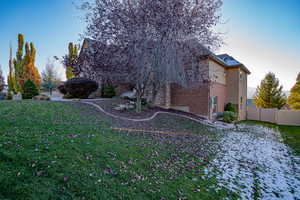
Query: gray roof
{"points": [[230, 62]]}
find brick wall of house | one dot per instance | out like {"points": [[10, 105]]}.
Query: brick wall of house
{"points": [[160, 99], [196, 99]]}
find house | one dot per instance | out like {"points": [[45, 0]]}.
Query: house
{"points": [[227, 83]]}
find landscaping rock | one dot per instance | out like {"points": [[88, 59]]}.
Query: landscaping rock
{"points": [[123, 107], [128, 94], [41, 97]]}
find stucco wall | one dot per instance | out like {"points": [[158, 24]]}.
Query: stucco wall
{"points": [[242, 95], [219, 90], [217, 73], [236, 92], [232, 89]]}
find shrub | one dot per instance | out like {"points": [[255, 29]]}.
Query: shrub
{"points": [[29, 90], [67, 96], [108, 92], [2, 95], [143, 100], [229, 116], [62, 89], [219, 116], [80, 87], [230, 107], [9, 96]]}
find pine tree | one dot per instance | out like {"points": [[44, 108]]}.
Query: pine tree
{"points": [[29, 90], [269, 94], [70, 60], [294, 98]]}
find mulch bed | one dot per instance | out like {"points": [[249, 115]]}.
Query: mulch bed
{"points": [[162, 122], [108, 106]]}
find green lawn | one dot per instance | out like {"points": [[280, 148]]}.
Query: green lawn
{"points": [[60, 150], [290, 134]]}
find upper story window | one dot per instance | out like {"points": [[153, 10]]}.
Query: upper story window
{"points": [[241, 76]]}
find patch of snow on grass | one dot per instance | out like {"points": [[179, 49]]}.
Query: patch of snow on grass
{"points": [[254, 163]]}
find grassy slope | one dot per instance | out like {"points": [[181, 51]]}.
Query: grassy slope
{"points": [[290, 134], [52, 150]]}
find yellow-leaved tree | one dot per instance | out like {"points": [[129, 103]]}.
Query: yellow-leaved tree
{"points": [[294, 98]]}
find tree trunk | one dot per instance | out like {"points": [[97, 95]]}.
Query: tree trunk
{"points": [[153, 97], [138, 103]]}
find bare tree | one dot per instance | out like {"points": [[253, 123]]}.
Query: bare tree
{"points": [[152, 43], [50, 76]]}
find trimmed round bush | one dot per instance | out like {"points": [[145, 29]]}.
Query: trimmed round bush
{"points": [[29, 90], [229, 116], [9, 96], [80, 87], [108, 92], [62, 89], [230, 107]]}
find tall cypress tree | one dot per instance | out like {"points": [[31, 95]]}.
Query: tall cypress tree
{"points": [[24, 65], [71, 59], [294, 98], [19, 64], [30, 72], [1, 80], [11, 79], [269, 94]]}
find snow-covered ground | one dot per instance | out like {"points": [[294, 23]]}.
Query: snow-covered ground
{"points": [[255, 163]]}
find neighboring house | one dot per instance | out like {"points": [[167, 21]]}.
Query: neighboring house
{"points": [[226, 83]]}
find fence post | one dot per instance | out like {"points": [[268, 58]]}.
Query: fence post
{"points": [[276, 116]]}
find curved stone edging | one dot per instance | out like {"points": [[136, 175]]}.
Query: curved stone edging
{"points": [[145, 119]]}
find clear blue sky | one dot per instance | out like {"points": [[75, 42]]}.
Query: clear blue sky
{"points": [[263, 34], [49, 24]]}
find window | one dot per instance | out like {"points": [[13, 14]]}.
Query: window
{"points": [[241, 76], [241, 103], [214, 104]]}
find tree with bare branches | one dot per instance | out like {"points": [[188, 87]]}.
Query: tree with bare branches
{"points": [[50, 76], [151, 43]]}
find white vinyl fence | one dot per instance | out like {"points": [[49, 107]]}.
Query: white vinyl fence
{"points": [[281, 117]]}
